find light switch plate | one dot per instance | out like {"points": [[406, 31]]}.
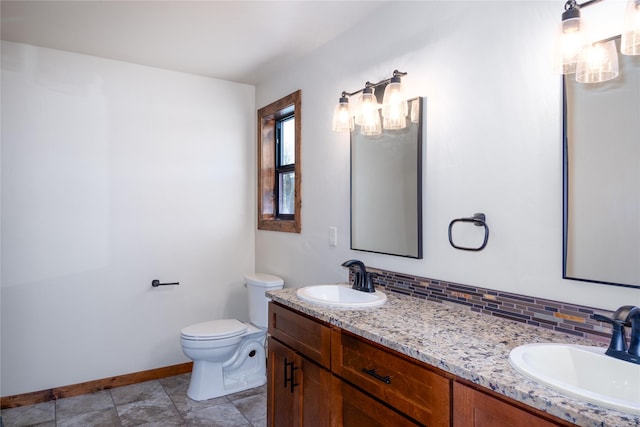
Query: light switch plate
{"points": [[333, 236]]}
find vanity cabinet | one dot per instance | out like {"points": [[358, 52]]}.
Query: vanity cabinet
{"points": [[320, 375]]}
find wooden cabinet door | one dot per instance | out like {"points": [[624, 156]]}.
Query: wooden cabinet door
{"points": [[472, 408], [284, 406], [316, 394], [298, 389]]}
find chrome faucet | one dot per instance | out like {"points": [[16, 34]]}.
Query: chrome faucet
{"points": [[625, 316], [361, 279]]}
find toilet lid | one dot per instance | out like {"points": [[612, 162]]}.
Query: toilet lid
{"points": [[213, 329]]}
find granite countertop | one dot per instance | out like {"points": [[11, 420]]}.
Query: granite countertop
{"points": [[470, 345]]}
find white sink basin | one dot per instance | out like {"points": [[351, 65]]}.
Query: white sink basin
{"points": [[583, 372], [340, 295]]}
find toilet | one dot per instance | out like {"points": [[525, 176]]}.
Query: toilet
{"points": [[229, 355]]}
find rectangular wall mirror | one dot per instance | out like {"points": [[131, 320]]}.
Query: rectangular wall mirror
{"points": [[386, 188], [602, 178]]}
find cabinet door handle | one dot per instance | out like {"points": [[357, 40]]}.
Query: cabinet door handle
{"points": [[293, 382], [290, 368], [287, 365], [386, 379]]}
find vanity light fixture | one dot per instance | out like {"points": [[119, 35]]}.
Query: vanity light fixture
{"points": [[593, 62], [367, 114]]}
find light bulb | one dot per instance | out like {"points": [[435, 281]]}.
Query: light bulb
{"points": [[395, 119], [598, 63], [368, 116], [394, 105]]}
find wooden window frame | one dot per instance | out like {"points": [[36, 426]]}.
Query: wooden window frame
{"points": [[267, 182]]}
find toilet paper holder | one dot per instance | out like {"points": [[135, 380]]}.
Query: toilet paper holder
{"points": [[155, 283]]}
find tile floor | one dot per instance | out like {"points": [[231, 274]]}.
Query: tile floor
{"points": [[158, 403]]}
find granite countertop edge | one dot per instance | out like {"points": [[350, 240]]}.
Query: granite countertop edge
{"points": [[470, 345]]}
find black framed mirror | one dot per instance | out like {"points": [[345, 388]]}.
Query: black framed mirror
{"points": [[601, 178], [386, 188]]}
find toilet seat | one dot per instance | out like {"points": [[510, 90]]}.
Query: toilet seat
{"points": [[214, 330]]}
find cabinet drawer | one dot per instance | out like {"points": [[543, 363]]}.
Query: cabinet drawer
{"points": [[409, 387], [353, 408], [473, 408], [301, 333]]}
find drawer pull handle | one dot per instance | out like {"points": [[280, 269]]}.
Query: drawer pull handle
{"points": [[386, 379]]}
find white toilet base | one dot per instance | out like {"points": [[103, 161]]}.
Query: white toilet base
{"points": [[245, 370]]}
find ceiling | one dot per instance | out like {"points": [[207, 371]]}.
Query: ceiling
{"points": [[240, 41]]}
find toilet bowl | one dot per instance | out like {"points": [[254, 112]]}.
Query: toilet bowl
{"points": [[229, 355]]}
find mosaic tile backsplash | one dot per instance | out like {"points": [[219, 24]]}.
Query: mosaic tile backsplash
{"points": [[568, 318]]}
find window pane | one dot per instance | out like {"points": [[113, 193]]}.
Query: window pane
{"points": [[288, 143], [286, 202]]}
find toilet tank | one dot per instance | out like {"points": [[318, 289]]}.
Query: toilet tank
{"points": [[257, 285]]}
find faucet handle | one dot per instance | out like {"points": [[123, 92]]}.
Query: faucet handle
{"points": [[618, 340], [611, 320], [603, 318]]}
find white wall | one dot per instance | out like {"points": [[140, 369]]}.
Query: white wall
{"points": [[493, 145], [115, 174]]}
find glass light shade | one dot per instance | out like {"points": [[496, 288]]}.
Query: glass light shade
{"points": [[571, 37], [598, 63], [394, 122], [368, 116], [630, 44], [342, 117], [415, 111], [394, 105]]}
